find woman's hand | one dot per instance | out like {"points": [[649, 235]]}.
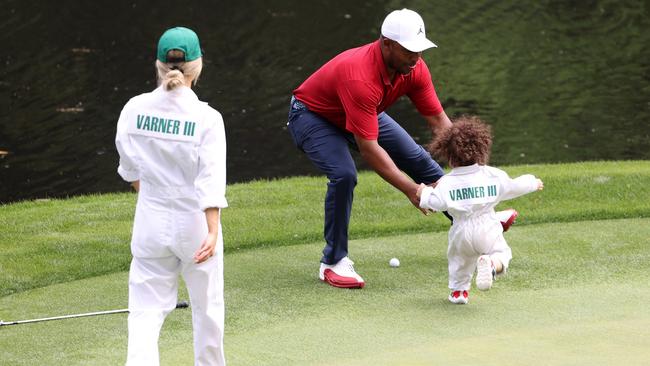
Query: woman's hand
{"points": [[210, 242], [207, 248]]}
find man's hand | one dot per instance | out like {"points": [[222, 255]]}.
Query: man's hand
{"points": [[380, 162], [421, 187], [415, 198], [418, 194]]}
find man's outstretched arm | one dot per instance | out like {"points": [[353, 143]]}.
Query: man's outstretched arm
{"points": [[438, 123], [380, 162]]}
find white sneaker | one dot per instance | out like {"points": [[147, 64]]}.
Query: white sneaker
{"points": [[459, 297], [484, 273], [341, 274]]}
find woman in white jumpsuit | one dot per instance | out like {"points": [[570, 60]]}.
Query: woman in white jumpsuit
{"points": [[172, 149], [469, 194]]}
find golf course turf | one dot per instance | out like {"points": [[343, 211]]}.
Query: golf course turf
{"points": [[576, 292]]}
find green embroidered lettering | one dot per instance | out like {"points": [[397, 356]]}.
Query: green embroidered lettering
{"points": [[188, 128], [146, 123], [154, 124]]}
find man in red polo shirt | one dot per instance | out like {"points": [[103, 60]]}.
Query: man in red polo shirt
{"points": [[342, 104]]}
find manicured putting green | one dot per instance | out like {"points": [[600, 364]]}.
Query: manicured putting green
{"points": [[576, 294]]}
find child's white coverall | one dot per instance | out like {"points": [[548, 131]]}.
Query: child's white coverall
{"points": [[469, 194]]}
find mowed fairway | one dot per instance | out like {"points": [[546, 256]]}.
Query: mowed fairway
{"points": [[577, 294]]}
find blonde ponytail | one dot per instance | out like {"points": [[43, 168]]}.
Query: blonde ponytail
{"points": [[173, 75], [173, 80]]}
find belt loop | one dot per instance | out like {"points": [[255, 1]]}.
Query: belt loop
{"points": [[297, 105]]}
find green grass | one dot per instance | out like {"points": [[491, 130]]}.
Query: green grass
{"points": [[576, 293], [88, 236], [574, 299]]}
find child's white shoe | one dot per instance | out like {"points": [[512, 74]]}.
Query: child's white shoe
{"points": [[459, 297], [484, 273]]}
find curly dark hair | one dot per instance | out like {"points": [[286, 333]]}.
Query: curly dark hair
{"points": [[468, 141]]}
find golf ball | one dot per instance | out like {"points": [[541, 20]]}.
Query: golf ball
{"points": [[394, 262]]}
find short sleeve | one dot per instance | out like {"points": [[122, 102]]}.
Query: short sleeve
{"points": [[422, 92]]}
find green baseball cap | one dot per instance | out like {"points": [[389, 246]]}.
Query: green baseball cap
{"points": [[179, 38]]}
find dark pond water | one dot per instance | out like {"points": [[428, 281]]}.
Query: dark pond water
{"points": [[559, 81]]}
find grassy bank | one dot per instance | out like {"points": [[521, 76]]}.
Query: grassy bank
{"points": [[55, 241]]}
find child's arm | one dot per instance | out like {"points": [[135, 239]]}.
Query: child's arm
{"points": [[429, 198], [513, 188]]}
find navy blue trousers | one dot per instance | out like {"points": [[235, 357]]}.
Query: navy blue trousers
{"points": [[328, 147]]}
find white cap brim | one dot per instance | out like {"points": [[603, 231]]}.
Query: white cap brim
{"points": [[418, 45]]}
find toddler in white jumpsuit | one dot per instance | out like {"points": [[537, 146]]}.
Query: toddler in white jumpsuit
{"points": [[172, 148], [469, 194]]}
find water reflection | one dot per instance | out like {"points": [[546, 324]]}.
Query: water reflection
{"points": [[560, 81]]}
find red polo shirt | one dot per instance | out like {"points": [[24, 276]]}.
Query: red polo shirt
{"points": [[353, 88]]}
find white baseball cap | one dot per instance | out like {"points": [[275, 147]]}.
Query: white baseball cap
{"points": [[406, 27]]}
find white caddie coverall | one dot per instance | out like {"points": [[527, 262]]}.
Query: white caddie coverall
{"points": [[469, 194], [175, 146]]}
